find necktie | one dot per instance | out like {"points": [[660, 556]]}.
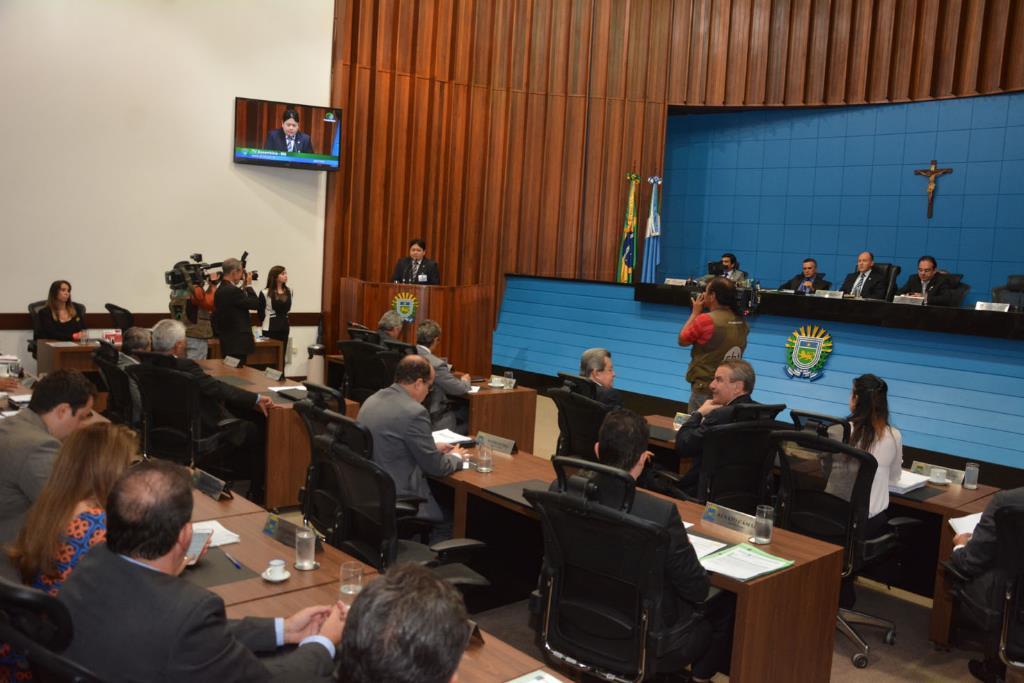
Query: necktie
{"points": [[859, 284], [415, 269], [291, 144]]}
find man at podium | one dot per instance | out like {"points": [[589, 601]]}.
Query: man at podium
{"points": [[416, 268]]}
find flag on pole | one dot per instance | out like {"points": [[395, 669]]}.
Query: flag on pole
{"points": [[652, 240], [627, 247]]}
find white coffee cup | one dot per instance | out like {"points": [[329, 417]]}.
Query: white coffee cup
{"points": [[938, 475], [275, 569]]}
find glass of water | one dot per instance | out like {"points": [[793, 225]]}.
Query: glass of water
{"points": [[510, 380], [351, 578], [305, 549], [484, 459], [763, 523], [971, 475]]}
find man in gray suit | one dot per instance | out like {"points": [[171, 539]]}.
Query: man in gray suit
{"points": [[402, 441], [137, 620], [29, 441], [445, 413]]}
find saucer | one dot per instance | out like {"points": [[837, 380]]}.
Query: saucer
{"points": [[498, 385], [266, 577], [938, 483]]}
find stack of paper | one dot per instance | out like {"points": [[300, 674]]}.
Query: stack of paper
{"points": [[20, 399], [965, 525], [221, 536], [743, 562], [908, 482], [705, 546], [448, 436]]}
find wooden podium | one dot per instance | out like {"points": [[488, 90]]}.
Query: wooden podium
{"points": [[464, 312]]}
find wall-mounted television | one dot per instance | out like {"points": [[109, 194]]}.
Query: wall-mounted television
{"points": [[287, 134]]}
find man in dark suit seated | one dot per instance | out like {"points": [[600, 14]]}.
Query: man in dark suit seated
{"points": [[137, 620], [390, 325], [288, 138], [220, 401], [231, 318], [402, 442], [866, 282], [808, 281], [596, 365], [408, 626], [974, 556], [622, 443], [733, 384], [448, 410], [930, 283]]}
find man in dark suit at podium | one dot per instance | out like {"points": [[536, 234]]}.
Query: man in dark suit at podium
{"points": [[288, 138], [231, 311], [866, 282], [416, 268], [935, 287]]}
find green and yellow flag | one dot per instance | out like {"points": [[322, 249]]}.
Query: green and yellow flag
{"points": [[627, 247]]}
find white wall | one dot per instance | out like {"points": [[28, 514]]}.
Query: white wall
{"points": [[118, 119]]}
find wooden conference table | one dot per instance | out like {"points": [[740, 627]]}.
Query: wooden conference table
{"points": [[493, 660], [785, 622], [54, 355], [287, 448]]}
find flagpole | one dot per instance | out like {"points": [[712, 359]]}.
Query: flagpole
{"points": [[627, 245]]}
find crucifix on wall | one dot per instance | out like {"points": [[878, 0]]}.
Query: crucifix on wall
{"points": [[932, 173]]}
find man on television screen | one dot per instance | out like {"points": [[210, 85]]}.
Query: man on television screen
{"points": [[288, 138]]}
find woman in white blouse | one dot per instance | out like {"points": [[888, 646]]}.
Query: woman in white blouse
{"points": [[869, 419]]}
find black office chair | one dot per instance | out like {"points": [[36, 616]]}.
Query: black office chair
{"points": [[123, 318], [121, 405], [823, 425], [601, 615], [365, 369], [578, 385], [320, 497], [172, 426], [995, 625], [1011, 293], [824, 492], [958, 289], [363, 333], [38, 627], [579, 421], [736, 465], [370, 529], [890, 272], [399, 347]]}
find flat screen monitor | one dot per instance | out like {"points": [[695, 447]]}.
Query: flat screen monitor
{"points": [[287, 135]]}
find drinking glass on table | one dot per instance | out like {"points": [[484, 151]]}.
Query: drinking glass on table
{"points": [[305, 549], [484, 459], [351, 578], [971, 475], [510, 380], [763, 523]]}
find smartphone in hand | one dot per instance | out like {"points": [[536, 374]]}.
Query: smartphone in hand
{"points": [[195, 548]]}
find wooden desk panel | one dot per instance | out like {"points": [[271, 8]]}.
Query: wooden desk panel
{"points": [[287, 447], [267, 352], [492, 661], [204, 507], [785, 622], [510, 413], [661, 421], [50, 357], [256, 549]]}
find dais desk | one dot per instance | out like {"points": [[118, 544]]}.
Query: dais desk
{"points": [[51, 355]]}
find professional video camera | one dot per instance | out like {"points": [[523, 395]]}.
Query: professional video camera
{"points": [[189, 273]]}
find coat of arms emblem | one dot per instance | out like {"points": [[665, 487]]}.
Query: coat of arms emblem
{"points": [[807, 349], [404, 304]]}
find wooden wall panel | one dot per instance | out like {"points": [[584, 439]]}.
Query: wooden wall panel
{"points": [[501, 130]]}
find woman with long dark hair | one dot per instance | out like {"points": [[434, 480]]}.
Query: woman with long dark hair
{"points": [[275, 302], [872, 432], [60, 320]]}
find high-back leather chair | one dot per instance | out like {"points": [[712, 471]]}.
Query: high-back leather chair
{"points": [[823, 425], [320, 497], [890, 271], [365, 370], [1011, 293], [123, 318], [121, 406], [600, 615], [736, 465], [579, 421], [37, 626]]}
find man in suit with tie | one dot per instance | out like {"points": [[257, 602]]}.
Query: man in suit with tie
{"points": [[808, 281], [935, 287], [596, 365], [288, 138], [232, 304], [731, 268], [866, 282], [416, 268]]}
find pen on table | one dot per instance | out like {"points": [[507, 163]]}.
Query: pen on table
{"points": [[235, 562]]}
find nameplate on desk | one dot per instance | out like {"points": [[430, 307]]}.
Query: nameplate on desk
{"points": [[952, 476], [210, 485], [729, 518], [231, 361], [273, 374], [828, 293], [284, 531], [496, 443], [675, 281], [912, 300], [991, 306]]}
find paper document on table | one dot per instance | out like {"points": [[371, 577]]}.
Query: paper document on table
{"points": [[743, 561], [287, 387], [20, 398], [705, 546], [8, 413], [448, 436], [474, 389], [908, 482], [63, 344], [687, 525], [538, 676], [965, 525], [221, 536]]}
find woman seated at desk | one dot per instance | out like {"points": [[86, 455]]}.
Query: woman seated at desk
{"points": [[61, 319]]}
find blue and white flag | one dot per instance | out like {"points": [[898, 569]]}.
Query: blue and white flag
{"points": [[652, 239]]}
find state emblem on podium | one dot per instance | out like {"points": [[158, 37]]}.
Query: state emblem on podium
{"points": [[807, 351], [405, 304]]}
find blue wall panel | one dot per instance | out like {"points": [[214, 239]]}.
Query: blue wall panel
{"points": [[949, 393], [779, 185]]}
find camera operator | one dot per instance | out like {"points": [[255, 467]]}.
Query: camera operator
{"points": [[232, 303], [194, 306]]}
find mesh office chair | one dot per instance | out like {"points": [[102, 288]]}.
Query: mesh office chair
{"points": [[823, 425], [736, 465], [363, 333], [824, 492], [38, 627], [123, 318], [399, 347], [320, 497], [579, 421], [890, 271], [370, 526], [1011, 293], [599, 614], [121, 406], [578, 385], [365, 370]]}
